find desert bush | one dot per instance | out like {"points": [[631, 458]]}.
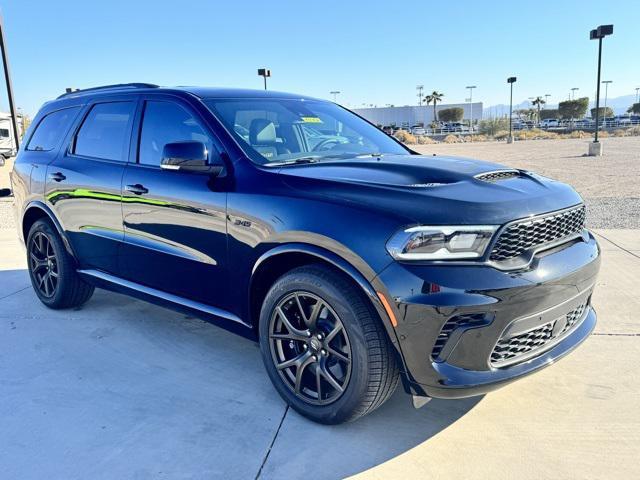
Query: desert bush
{"points": [[405, 137], [634, 130], [425, 140], [475, 138], [620, 132], [603, 134], [493, 125], [451, 139], [577, 134], [602, 112], [549, 113], [501, 135]]}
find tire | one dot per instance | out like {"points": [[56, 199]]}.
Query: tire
{"points": [[52, 270], [352, 350]]}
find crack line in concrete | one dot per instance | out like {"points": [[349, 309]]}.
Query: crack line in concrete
{"points": [[273, 441], [17, 291], [614, 243]]}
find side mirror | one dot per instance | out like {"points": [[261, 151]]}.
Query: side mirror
{"points": [[188, 157]]}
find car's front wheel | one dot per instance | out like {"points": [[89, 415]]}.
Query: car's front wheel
{"points": [[324, 347]]}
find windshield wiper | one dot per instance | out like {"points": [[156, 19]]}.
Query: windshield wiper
{"points": [[295, 161]]}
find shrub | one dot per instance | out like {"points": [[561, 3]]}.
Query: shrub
{"points": [[405, 137], [425, 140], [501, 135], [602, 112], [573, 108], [634, 130], [549, 113], [451, 139], [603, 134], [493, 126], [619, 132]]}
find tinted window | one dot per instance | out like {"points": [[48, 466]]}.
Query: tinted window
{"points": [[163, 123], [104, 133], [51, 128], [4, 133]]}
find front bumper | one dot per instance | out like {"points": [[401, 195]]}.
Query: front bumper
{"points": [[479, 306]]}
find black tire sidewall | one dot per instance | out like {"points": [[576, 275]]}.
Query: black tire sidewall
{"points": [[332, 293]]}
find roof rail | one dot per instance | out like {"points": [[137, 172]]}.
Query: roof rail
{"points": [[71, 91]]}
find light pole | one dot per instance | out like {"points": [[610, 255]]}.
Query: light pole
{"points": [[546, 99], [637, 94], [335, 94], [595, 148], [573, 92], [264, 72], [606, 93], [7, 79], [511, 81], [420, 88], [470, 88]]}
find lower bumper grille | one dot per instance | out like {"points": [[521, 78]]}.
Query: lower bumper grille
{"points": [[524, 345]]}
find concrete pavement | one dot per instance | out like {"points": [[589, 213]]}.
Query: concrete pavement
{"points": [[123, 389]]}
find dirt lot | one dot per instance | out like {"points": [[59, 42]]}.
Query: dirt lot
{"points": [[609, 184]]}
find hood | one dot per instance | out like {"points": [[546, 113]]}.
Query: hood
{"points": [[437, 190]]}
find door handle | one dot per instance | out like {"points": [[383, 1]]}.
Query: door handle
{"points": [[57, 177], [137, 189]]}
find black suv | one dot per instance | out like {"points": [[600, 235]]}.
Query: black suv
{"points": [[354, 261]]}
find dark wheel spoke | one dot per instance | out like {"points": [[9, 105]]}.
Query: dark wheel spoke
{"points": [[299, 371], [315, 313], [43, 264], [318, 383], [338, 355], [288, 336], [329, 378], [336, 329], [294, 362], [293, 330]]}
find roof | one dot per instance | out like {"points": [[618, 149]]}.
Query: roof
{"points": [[202, 92]]}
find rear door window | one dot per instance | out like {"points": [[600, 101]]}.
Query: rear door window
{"points": [[105, 132], [51, 129]]}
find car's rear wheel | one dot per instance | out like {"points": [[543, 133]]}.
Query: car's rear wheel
{"points": [[324, 347], [51, 269]]}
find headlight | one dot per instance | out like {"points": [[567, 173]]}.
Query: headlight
{"points": [[441, 243]]}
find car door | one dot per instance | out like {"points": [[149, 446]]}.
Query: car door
{"points": [[175, 234], [83, 183]]}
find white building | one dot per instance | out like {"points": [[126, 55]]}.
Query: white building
{"points": [[415, 115]]}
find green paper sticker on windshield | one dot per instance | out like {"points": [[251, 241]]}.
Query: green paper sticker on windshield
{"points": [[311, 120]]}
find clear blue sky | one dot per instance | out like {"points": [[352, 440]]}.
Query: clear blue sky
{"points": [[373, 52]]}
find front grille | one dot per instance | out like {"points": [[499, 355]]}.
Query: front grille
{"points": [[498, 175], [508, 349], [523, 235], [452, 324]]}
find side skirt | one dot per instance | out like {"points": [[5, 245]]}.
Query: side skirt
{"points": [[216, 316]]}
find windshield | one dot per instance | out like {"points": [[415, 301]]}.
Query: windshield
{"points": [[279, 131]]}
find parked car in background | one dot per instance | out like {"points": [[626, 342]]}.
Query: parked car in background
{"points": [[354, 262], [549, 123], [418, 131]]}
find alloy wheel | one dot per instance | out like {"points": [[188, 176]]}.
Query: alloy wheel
{"points": [[43, 264], [310, 348]]}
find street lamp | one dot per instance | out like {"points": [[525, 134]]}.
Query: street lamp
{"points": [[546, 98], [637, 94], [7, 79], [471, 87], [606, 93], [420, 88], [335, 93], [573, 93], [264, 72], [595, 148], [510, 81]]}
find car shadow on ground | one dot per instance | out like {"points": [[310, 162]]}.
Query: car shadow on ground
{"points": [[122, 388]]}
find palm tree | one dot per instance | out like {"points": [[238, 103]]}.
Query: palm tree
{"points": [[538, 101], [435, 97]]}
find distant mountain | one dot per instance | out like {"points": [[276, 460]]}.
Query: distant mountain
{"points": [[619, 105]]}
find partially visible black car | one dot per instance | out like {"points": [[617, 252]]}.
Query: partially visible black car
{"points": [[354, 261]]}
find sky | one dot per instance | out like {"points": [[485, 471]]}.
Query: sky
{"points": [[373, 52]]}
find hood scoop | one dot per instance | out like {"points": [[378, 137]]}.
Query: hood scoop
{"points": [[498, 175]]}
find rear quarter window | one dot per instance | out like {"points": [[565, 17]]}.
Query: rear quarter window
{"points": [[51, 129]]}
